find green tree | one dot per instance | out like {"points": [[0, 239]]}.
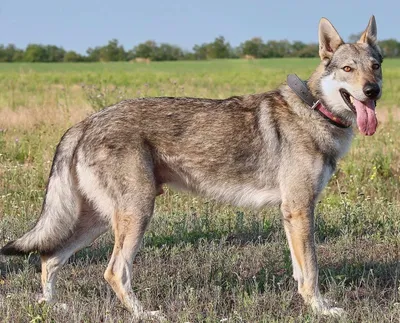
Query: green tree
{"points": [[310, 50], [3, 55], [297, 47], [112, 52], [189, 56], [390, 47], [146, 50], [93, 54], [10, 53], [254, 47], [18, 55], [54, 53], [219, 48], [72, 56], [200, 51], [109, 53], [279, 48], [35, 53], [167, 52]]}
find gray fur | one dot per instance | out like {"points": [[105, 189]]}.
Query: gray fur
{"points": [[251, 150]]}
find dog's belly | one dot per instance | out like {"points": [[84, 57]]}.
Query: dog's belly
{"points": [[253, 188], [245, 195]]}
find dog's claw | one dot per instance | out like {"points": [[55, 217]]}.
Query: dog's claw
{"points": [[334, 311], [41, 299], [153, 316], [61, 307]]}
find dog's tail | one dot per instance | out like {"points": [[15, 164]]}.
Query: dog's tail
{"points": [[61, 204]]}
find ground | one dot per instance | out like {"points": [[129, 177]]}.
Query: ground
{"points": [[201, 261]]}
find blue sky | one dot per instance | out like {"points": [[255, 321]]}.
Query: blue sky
{"points": [[77, 25]]}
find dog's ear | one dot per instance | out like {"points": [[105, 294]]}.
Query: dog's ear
{"points": [[369, 36], [329, 39]]}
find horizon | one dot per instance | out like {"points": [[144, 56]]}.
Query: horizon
{"points": [[78, 26]]}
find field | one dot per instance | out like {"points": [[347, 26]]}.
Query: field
{"points": [[201, 261]]}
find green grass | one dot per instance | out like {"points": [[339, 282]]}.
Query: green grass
{"points": [[201, 261], [218, 79]]}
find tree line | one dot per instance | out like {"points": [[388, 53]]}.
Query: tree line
{"points": [[219, 48]]}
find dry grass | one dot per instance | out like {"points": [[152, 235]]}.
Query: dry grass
{"points": [[201, 261], [32, 117]]}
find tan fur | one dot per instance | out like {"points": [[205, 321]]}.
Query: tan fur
{"points": [[44, 279], [128, 230], [329, 39], [369, 35], [254, 150]]}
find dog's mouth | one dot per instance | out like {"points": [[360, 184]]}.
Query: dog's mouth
{"points": [[348, 99], [364, 111]]}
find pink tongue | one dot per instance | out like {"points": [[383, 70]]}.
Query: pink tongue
{"points": [[366, 118]]}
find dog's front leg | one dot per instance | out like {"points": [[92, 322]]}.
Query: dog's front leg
{"points": [[299, 228]]}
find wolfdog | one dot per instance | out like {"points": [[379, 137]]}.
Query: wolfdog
{"points": [[279, 147]]}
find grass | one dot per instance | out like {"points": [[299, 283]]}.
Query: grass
{"points": [[201, 261]]}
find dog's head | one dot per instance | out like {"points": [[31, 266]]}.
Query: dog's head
{"points": [[351, 80]]}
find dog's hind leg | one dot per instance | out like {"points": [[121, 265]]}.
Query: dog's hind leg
{"points": [[133, 189], [89, 226], [129, 226]]}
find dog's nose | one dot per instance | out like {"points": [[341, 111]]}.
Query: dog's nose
{"points": [[371, 90]]}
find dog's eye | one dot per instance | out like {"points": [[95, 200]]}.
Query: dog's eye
{"points": [[376, 66], [347, 69]]}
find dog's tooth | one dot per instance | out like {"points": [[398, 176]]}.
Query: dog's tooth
{"points": [[351, 99]]}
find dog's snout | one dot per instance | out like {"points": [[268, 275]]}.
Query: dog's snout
{"points": [[371, 90]]}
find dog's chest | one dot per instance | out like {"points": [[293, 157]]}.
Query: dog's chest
{"points": [[325, 176]]}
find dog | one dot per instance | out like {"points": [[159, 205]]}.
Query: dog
{"points": [[275, 148]]}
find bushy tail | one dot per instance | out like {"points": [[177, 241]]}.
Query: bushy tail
{"points": [[60, 207]]}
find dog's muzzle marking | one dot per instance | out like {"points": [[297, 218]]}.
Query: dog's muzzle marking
{"points": [[300, 88]]}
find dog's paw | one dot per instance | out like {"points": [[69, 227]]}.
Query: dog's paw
{"points": [[41, 299], [153, 316], [321, 306], [62, 307], [334, 312], [51, 302]]}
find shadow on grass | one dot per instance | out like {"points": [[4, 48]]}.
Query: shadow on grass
{"points": [[363, 278], [18, 264], [101, 249], [335, 268], [382, 276]]}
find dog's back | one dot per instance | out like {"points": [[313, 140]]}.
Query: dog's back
{"points": [[251, 150]]}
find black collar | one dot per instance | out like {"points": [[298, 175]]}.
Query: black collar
{"points": [[300, 88]]}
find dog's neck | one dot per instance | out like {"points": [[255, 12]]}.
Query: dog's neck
{"points": [[308, 93]]}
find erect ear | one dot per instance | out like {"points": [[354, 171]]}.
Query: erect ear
{"points": [[369, 36], [329, 39]]}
